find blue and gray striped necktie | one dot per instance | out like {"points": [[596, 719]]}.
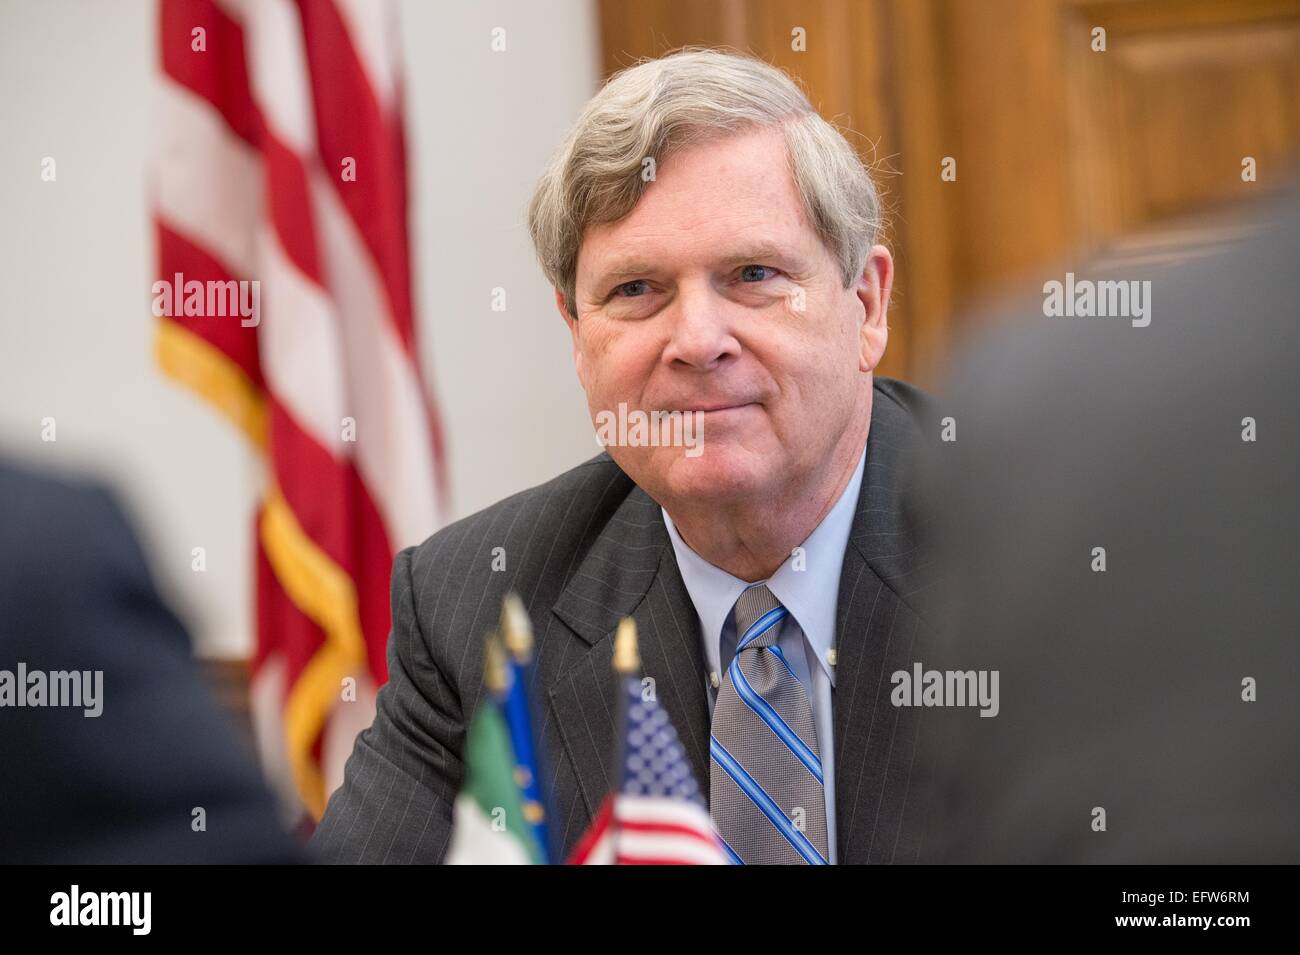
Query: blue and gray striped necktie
{"points": [[765, 773]]}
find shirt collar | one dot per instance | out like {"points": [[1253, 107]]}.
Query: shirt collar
{"points": [[807, 583]]}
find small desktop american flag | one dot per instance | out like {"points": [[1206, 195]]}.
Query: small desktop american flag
{"points": [[658, 815]]}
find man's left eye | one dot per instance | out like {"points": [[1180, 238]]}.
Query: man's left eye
{"points": [[756, 273]]}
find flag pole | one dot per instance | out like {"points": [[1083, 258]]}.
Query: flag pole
{"points": [[627, 665], [517, 629], [627, 657], [517, 634], [494, 665]]}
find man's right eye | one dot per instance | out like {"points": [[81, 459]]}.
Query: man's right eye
{"points": [[631, 289]]}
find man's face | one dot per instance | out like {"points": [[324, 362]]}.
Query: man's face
{"points": [[715, 294]]}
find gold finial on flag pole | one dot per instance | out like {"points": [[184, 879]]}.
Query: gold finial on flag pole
{"points": [[627, 659], [494, 664], [516, 628]]}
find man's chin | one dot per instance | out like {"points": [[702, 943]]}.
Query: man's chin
{"points": [[717, 475]]}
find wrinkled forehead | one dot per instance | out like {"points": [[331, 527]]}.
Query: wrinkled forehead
{"points": [[726, 201]]}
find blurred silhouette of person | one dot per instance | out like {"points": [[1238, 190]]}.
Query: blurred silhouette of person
{"points": [[1119, 528], [121, 785]]}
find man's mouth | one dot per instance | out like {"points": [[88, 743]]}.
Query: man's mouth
{"points": [[720, 406]]}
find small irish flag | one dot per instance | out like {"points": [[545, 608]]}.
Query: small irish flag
{"points": [[489, 826]]}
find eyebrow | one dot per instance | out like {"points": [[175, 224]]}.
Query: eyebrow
{"points": [[637, 266]]}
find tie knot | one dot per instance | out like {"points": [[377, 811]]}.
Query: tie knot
{"points": [[758, 615]]}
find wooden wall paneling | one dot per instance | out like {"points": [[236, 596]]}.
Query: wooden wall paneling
{"points": [[1007, 82], [844, 68], [1098, 156], [1183, 93], [632, 29], [912, 41]]}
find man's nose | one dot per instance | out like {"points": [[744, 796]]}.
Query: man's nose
{"points": [[701, 334]]}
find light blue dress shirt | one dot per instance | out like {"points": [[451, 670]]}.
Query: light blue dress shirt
{"points": [[807, 585]]}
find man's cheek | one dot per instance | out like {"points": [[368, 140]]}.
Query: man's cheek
{"points": [[597, 383], [620, 372], [597, 337]]}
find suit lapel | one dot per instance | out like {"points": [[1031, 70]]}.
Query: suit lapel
{"points": [[630, 570], [875, 632]]}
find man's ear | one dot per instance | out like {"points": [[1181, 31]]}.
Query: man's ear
{"points": [[572, 322], [873, 288]]}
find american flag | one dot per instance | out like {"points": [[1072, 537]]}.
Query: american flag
{"points": [[658, 815], [282, 161]]}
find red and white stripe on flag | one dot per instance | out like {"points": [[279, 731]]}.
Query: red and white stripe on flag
{"points": [[649, 830], [281, 161]]}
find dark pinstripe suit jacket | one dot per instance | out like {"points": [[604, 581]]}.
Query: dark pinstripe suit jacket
{"points": [[584, 550]]}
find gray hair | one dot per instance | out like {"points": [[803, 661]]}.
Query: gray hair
{"points": [[662, 106]]}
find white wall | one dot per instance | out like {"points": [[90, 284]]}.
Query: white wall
{"points": [[76, 264]]}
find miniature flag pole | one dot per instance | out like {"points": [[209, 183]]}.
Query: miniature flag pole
{"points": [[517, 632]]}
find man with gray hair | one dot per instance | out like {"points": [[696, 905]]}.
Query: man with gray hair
{"points": [[713, 245]]}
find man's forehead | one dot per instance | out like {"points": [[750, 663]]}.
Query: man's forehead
{"points": [[720, 200], [632, 257]]}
